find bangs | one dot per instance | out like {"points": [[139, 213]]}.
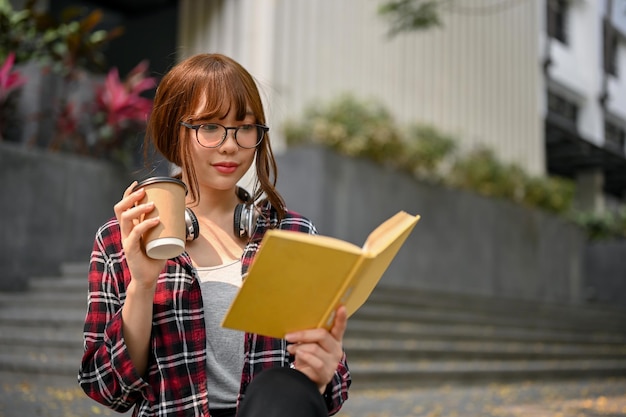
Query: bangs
{"points": [[221, 94]]}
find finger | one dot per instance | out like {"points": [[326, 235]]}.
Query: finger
{"points": [[129, 200], [143, 227], [314, 366], [340, 324], [130, 188], [308, 359], [130, 218], [307, 336]]}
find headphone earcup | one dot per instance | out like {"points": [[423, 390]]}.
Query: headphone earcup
{"points": [[192, 226], [238, 224]]}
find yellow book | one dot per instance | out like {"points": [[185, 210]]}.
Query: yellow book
{"points": [[298, 280]]}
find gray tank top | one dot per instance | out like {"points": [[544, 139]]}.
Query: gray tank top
{"points": [[219, 285]]}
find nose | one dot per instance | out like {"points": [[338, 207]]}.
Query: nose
{"points": [[228, 144]]}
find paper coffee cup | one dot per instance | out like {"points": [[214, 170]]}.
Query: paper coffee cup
{"points": [[167, 239]]}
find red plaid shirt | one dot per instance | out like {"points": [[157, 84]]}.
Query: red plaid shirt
{"points": [[176, 382]]}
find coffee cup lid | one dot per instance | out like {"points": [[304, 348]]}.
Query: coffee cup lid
{"points": [[153, 180]]}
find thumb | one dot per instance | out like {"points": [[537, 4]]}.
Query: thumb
{"points": [[340, 323]]}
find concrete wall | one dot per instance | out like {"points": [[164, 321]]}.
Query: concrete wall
{"points": [[50, 209], [605, 272], [52, 205], [463, 243]]}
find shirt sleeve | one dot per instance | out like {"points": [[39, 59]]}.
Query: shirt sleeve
{"points": [[106, 373], [337, 390]]}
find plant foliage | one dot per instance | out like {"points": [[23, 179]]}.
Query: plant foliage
{"points": [[366, 129], [102, 120], [600, 226], [411, 15], [72, 41]]}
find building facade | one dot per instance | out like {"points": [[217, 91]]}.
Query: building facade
{"points": [[540, 82], [584, 61]]}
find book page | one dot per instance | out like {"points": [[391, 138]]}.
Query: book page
{"points": [[317, 240], [373, 268], [388, 231]]}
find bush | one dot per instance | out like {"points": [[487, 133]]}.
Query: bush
{"points": [[89, 116], [599, 226], [366, 129], [362, 129], [480, 171]]}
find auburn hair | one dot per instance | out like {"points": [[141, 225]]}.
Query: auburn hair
{"points": [[220, 84]]}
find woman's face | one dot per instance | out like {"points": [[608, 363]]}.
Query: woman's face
{"points": [[220, 168]]}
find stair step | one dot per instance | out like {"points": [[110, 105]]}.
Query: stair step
{"points": [[497, 310], [479, 303], [378, 374], [377, 349], [64, 285], [361, 328], [41, 316], [373, 312], [73, 349], [39, 363], [45, 299], [75, 269], [41, 336]]}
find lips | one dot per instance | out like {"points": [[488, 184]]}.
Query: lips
{"points": [[226, 167]]}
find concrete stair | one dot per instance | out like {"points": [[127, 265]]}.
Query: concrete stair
{"points": [[398, 338], [41, 329], [406, 337]]}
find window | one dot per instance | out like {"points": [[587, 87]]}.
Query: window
{"points": [[557, 19], [610, 48], [614, 136], [562, 107]]}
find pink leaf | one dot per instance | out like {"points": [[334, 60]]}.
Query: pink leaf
{"points": [[9, 81]]}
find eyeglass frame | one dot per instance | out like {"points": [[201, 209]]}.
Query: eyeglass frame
{"points": [[197, 127]]}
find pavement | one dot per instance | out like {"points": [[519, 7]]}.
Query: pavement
{"points": [[33, 395]]}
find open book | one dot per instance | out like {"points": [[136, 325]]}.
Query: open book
{"points": [[298, 280]]}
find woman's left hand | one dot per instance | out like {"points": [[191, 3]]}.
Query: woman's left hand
{"points": [[318, 351]]}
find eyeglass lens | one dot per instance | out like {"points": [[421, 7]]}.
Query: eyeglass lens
{"points": [[246, 136]]}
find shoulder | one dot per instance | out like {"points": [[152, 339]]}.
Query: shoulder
{"points": [[292, 220], [296, 221]]}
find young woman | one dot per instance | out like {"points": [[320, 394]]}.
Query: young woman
{"points": [[152, 333]]}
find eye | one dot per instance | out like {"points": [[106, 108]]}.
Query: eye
{"points": [[247, 128], [210, 128]]}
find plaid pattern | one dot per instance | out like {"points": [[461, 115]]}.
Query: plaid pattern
{"points": [[176, 382]]}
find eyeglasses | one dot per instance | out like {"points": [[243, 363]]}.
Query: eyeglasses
{"points": [[213, 135]]}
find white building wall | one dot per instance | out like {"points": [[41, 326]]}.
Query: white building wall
{"points": [[477, 77]]}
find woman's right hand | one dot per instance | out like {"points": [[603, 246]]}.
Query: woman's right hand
{"points": [[143, 269]]}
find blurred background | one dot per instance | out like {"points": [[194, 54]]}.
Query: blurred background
{"points": [[501, 122]]}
